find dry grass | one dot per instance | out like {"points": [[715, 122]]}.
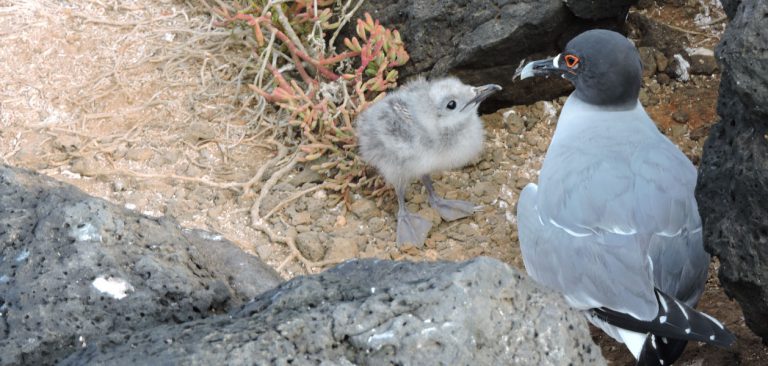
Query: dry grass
{"points": [[158, 78]]}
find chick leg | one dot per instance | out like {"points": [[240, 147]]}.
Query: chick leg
{"points": [[411, 228], [449, 209]]}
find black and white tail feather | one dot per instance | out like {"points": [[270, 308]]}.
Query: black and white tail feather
{"points": [[660, 351], [668, 333]]}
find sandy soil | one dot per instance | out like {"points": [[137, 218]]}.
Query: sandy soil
{"points": [[109, 96]]}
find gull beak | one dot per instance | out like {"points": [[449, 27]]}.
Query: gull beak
{"points": [[481, 93], [546, 67]]}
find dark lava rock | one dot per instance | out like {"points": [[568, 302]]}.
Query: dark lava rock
{"points": [[703, 61], [653, 33], [77, 270], [663, 79], [675, 3], [730, 7], [484, 41], [733, 184], [644, 4], [681, 116], [648, 58], [662, 62], [373, 312], [596, 9]]}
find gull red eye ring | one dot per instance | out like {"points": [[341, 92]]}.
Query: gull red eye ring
{"points": [[572, 61]]}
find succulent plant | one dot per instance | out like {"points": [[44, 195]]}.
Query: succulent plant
{"points": [[321, 90]]}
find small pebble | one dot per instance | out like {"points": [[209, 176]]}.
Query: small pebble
{"points": [[310, 245], [680, 116], [363, 208], [301, 218], [342, 248]]}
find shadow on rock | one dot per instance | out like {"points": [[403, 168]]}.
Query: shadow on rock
{"points": [[483, 41]]}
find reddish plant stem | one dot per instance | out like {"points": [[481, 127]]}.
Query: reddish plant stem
{"points": [[253, 22], [339, 57], [272, 98], [279, 77], [302, 72], [295, 51]]}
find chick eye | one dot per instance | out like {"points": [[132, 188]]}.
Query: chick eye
{"points": [[572, 61], [451, 105]]}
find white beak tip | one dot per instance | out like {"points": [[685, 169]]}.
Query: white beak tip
{"points": [[525, 72]]}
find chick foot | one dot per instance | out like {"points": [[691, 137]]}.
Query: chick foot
{"points": [[412, 228], [449, 210]]}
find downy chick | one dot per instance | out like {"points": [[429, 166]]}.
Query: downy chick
{"points": [[424, 127]]}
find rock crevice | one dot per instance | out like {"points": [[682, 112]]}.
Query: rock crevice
{"points": [[484, 41]]}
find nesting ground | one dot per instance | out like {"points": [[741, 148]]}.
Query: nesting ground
{"points": [[114, 99]]}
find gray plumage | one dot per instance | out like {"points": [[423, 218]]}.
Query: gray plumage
{"points": [[424, 127], [613, 223]]}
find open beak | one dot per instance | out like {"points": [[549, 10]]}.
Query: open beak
{"points": [[546, 67], [481, 93]]}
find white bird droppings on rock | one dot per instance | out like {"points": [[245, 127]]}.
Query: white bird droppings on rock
{"points": [[210, 236], [428, 330], [510, 217], [681, 68], [377, 340], [550, 112], [69, 174], [22, 256], [87, 232], [115, 287]]}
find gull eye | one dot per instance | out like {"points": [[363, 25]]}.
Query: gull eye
{"points": [[571, 61], [451, 105]]}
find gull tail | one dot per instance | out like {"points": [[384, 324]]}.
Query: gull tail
{"points": [[667, 334], [660, 351]]}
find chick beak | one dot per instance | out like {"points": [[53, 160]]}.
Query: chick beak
{"points": [[481, 93], [546, 67]]}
